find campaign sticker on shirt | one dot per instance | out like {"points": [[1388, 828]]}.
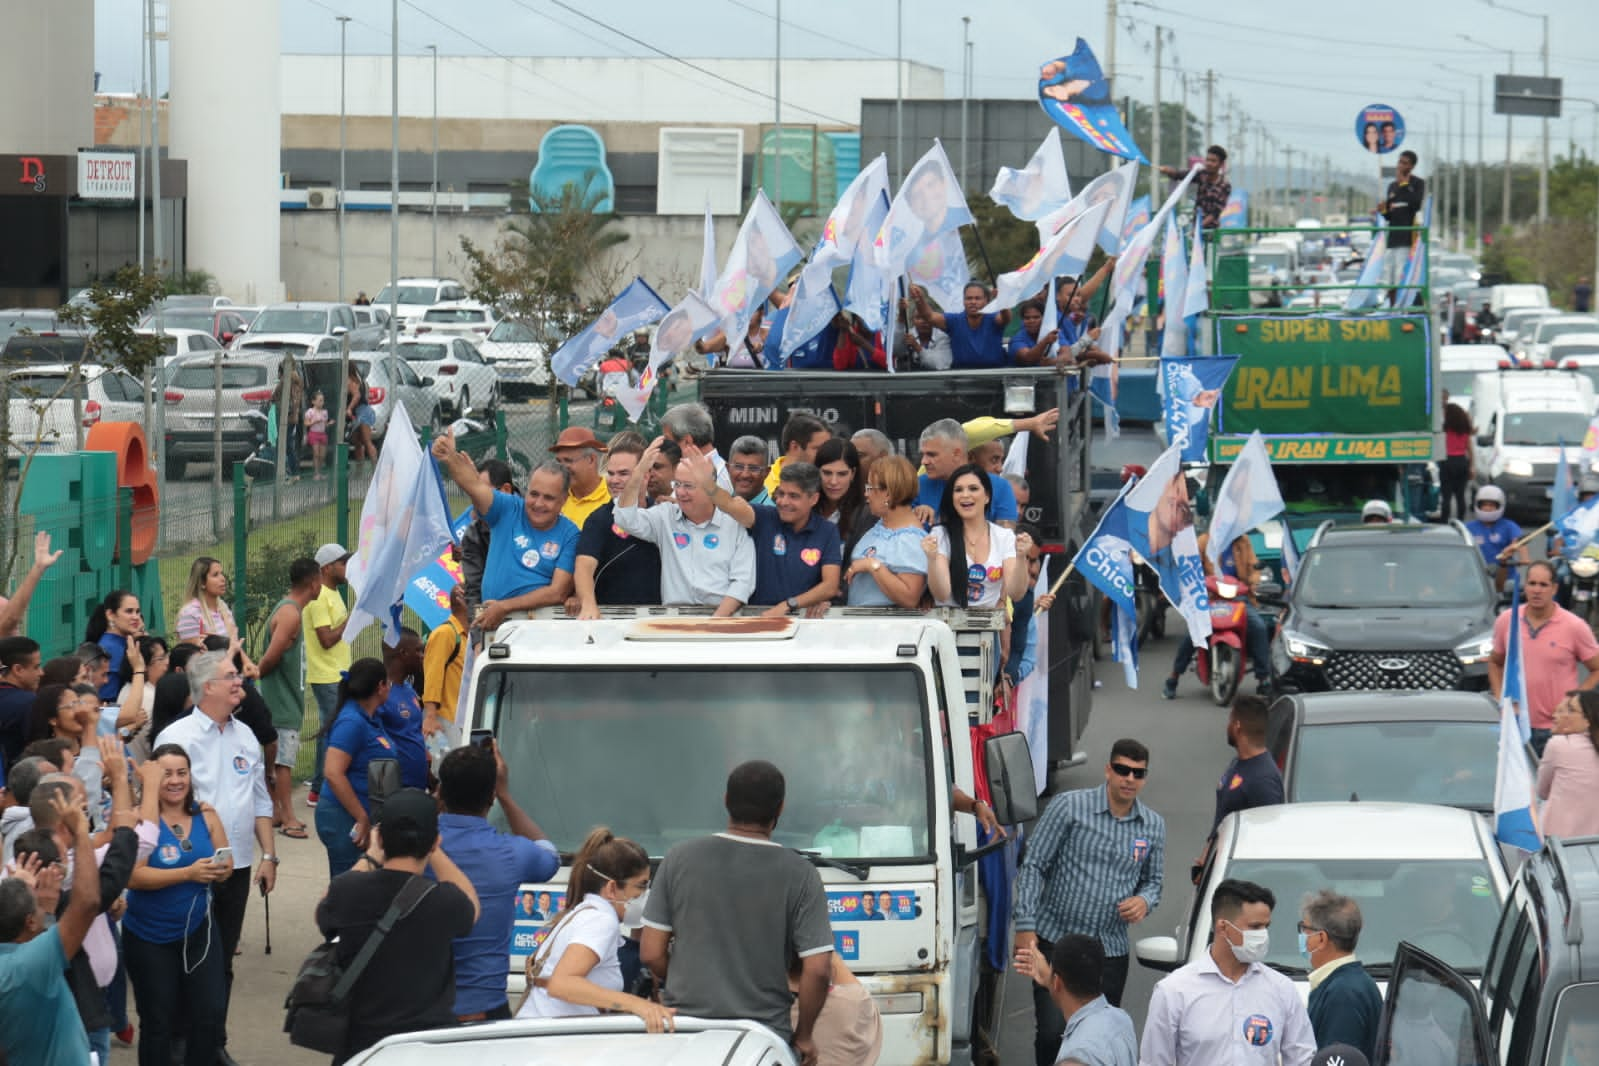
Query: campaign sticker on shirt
{"points": [[550, 549], [169, 853], [870, 553], [1235, 782], [680, 539], [847, 944], [1258, 1030], [384, 741], [618, 531], [882, 905], [712, 541], [530, 559], [1140, 849], [241, 765], [779, 545], [811, 556]]}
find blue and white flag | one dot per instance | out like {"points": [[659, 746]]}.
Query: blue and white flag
{"points": [[1578, 527], [1114, 188], [1368, 283], [870, 290], [1160, 527], [1106, 561], [1416, 269], [636, 306], [1102, 387], [691, 319], [762, 256], [1563, 496], [1127, 277], [1066, 253], [1290, 563], [1191, 390], [1032, 695], [1196, 298], [1248, 497], [940, 267], [1038, 188], [708, 253], [1515, 822], [1073, 92], [929, 204], [404, 527], [1135, 219], [850, 226], [1174, 290]]}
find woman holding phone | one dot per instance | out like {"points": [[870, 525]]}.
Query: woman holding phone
{"points": [[169, 939], [356, 737]]}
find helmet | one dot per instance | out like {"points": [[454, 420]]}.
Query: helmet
{"points": [[1376, 511], [1132, 470], [1490, 494]]}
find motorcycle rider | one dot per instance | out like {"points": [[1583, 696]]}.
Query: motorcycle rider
{"points": [[1555, 544], [1376, 513], [1239, 563], [1495, 534]]}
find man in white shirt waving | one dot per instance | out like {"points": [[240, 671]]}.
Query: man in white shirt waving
{"points": [[1229, 1008]]}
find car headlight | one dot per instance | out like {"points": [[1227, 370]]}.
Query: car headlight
{"points": [[1518, 468], [1476, 650], [1301, 649]]}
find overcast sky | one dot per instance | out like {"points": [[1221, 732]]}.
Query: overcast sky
{"points": [[1305, 70]]}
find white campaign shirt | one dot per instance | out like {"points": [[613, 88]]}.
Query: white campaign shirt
{"points": [[594, 925], [226, 767], [1197, 1017], [984, 581]]}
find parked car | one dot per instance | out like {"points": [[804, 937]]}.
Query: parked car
{"points": [[195, 299], [62, 346], [389, 380], [183, 341], [416, 295], [194, 403], [223, 323], [370, 315], [42, 402], [308, 322], [519, 356], [16, 320], [615, 1040], [462, 380], [466, 318], [1431, 876]]}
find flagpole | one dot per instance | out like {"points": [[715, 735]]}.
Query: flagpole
{"points": [[777, 133], [899, 92]]}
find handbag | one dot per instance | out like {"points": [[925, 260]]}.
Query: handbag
{"points": [[317, 1016], [535, 963]]}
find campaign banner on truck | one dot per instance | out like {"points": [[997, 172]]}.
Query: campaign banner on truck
{"points": [[1334, 375]]}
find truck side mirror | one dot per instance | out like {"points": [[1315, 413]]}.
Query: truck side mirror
{"points": [[1011, 787], [1486, 439]]}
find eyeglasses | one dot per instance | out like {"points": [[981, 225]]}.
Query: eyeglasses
{"points": [[1303, 928], [683, 485], [1121, 769], [873, 487], [746, 468]]}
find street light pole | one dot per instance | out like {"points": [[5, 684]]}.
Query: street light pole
{"points": [[1510, 57], [394, 178], [1154, 125], [899, 91], [966, 74], [777, 114], [1481, 117], [344, 25], [434, 207]]}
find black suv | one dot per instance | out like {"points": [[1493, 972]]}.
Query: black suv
{"points": [[1387, 607]]}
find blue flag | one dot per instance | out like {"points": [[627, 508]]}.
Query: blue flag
{"points": [[869, 290], [1192, 390], [1368, 285], [636, 306], [1416, 266], [1563, 498], [1160, 526], [1106, 562], [1073, 93], [1514, 821], [1248, 496], [1237, 209], [1137, 218], [1578, 527]]}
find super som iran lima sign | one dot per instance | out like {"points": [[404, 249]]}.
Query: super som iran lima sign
{"points": [[1328, 388]]}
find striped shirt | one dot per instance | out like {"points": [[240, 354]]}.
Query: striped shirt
{"points": [[1082, 861]]}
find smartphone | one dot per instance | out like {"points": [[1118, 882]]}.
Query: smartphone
{"points": [[483, 738], [223, 856]]}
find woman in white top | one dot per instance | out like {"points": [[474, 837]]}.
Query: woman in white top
{"points": [[971, 562], [575, 971]]}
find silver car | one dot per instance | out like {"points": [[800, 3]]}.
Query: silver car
{"points": [[616, 1040], [388, 381]]}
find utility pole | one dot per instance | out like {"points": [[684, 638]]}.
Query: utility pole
{"points": [[141, 170], [966, 74], [394, 179], [344, 25], [899, 91], [155, 156], [1210, 92], [1182, 126], [1243, 156], [777, 118], [1110, 53], [434, 207], [1154, 173], [1288, 181]]}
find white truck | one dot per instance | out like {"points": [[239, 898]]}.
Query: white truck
{"points": [[634, 721]]}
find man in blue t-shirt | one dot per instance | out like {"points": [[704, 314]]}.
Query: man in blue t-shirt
{"points": [[943, 447], [1493, 532], [532, 546], [976, 340], [798, 553]]}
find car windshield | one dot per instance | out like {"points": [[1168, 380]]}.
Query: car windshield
{"points": [[1515, 320], [509, 332], [290, 320], [409, 294], [43, 388], [1458, 383], [204, 376], [455, 314], [1449, 763], [1405, 575], [425, 353], [1574, 1036], [662, 741], [1545, 429], [1446, 907], [38, 348], [1548, 331], [1272, 260], [202, 320]]}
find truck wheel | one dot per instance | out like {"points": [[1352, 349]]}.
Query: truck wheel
{"points": [[1224, 667]]}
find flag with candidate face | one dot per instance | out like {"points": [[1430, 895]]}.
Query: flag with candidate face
{"points": [[928, 205], [1114, 188], [1248, 497], [1174, 289], [762, 256], [679, 328], [1106, 561], [870, 290], [1237, 209], [1579, 527], [1127, 276], [1135, 219], [849, 228], [637, 305], [1066, 253], [940, 267], [1073, 93], [1191, 391], [1038, 188], [1160, 527]]}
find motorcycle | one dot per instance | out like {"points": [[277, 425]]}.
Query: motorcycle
{"points": [[1149, 601], [1585, 587], [1221, 664]]}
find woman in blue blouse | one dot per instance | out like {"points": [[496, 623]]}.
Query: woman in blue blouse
{"points": [[355, 739]]}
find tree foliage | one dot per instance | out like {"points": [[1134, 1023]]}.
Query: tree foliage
{"points": [[112, 312]]}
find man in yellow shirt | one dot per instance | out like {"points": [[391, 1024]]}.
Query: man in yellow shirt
{"points": [[327, 657], [802, 435], [443, 661], [578, 450]]}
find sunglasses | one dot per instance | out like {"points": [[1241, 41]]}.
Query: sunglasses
{"points": [[1137, 773]]}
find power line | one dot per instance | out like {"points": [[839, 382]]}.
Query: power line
{"points": [[814, 33]]}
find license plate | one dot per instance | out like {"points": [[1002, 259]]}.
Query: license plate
{"points": [[1585, 594]]}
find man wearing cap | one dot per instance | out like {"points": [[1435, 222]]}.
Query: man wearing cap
{"points": [[578, 450], [409, 983], [1376, 513], [532, 547], [327, 657], [1345, 1006]]}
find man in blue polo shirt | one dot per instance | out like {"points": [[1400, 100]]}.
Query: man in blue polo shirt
{"points": [[943, 450], [798, 555], [976, 340], [532, 546]]}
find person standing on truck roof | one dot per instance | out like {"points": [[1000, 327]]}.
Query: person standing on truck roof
{"points": [[802, 434], [731, 907], [943, 447], [1401, 205], [798, 554], [533, 546], [1553, 642], [613, 568], [689, 425], [1094, 865], [579, 450], [706, 557], [976, 340], [1211, 188], [474, 548]]}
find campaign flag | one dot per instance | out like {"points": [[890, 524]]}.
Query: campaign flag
{"points": [[1066, 253], [1106, 561], [1290, 563], [1114, 188], [1578, 527], [404, 527], [691, 318], [1174, 290], [1192, 390], [428, 594], [1515, 824], [1102, 387], [1016, 456], [1038, 188], [849, 227], [1127, 278], [940, 267], [762, 256], [708, 253], [806, 315], [1415, 275], [928, 205], [636, 306], [1032, 695], [1136, 218], [1563, 496], [1236, 211], [1197, 297], [1073, 93], [1051, 321], [1368, 283], [1589, 459], [1248, 497], [1160, 527], [870, 289]]}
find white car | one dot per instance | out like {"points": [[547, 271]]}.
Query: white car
{"points": [[464, 318], [1519, 320], [461, 379], [1459, 365], [515, 352], [615, 1040], [416, 295], [40, 406], [1429, 875], [181, 342], [1534, 345]]}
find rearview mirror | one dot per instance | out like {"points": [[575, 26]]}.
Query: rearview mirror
{"points": [[1485, 439], [1013, 793], [1157, 952], [1269, 592], [428, 383], [339, 331]]}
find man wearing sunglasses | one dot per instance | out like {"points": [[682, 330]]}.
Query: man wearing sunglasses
{"points": [[1093, 867]]}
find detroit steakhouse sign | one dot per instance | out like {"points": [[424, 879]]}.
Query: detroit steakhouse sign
{"points": [[106, 175]]}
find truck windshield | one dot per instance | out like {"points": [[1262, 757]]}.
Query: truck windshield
{"points": [[1575, 1035], [646, 751], [1423, 576], [1545, 429]]}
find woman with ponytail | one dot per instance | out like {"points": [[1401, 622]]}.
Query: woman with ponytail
{"points": [[356, 737], [576, 971]]}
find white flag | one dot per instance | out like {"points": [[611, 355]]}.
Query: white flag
{"points": [[1174, 282], [1066, 252], [929, 204], [692, 317], [708, 253], [1116, 189], [762, 255], [1197, 298], [940, 267], [1032, 695], [1038, 188], [1248, 497]]}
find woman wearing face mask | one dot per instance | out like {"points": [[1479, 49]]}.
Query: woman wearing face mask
{"points": [[575, 971]]}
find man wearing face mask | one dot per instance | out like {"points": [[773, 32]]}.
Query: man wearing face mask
{"points": [[497, 864], [1229, 1008], [1345, 1005]]}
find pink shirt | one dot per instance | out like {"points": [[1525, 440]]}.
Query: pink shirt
{"points": [[1550, 657], [1568, 779]]}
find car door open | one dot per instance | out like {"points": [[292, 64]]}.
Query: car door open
{"points": [[1431, 1014]]}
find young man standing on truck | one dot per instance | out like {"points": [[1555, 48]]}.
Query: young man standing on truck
{"points": [[1401, 206], [802, 435]]}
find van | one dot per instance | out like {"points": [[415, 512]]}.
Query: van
{"points": [[1523, 418], [1508, 297], [1459, 365]]}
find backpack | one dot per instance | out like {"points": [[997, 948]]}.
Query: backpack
{"points": [[318, 1016]]}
